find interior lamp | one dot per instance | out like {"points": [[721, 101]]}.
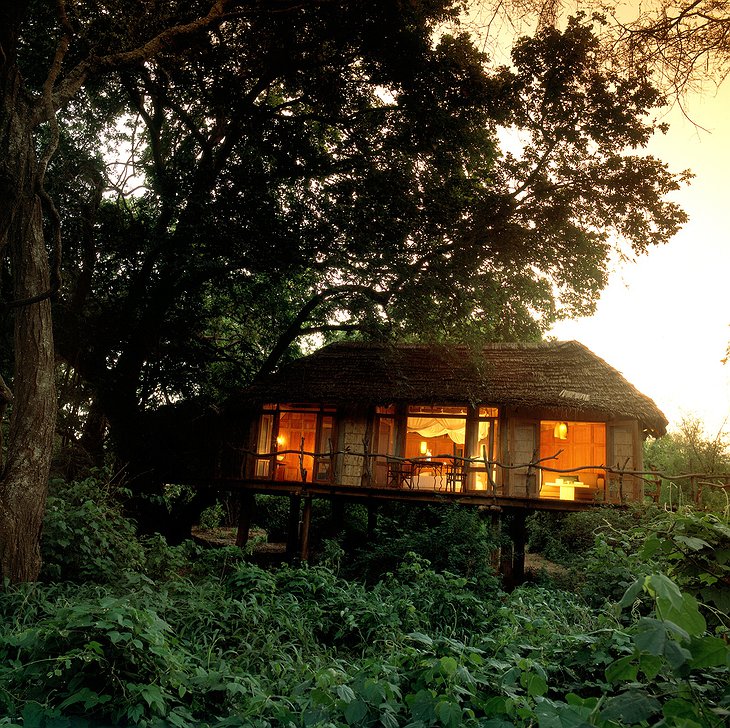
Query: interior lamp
{"points": [[424, 447], [561, 431], [280, 440]]}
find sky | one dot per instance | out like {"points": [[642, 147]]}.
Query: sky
{"points": [[664, 320]]}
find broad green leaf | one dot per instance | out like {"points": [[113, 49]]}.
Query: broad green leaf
{"points": [[536, 685], [577, 701], [631, 593], [448, 665], [664, 589], [679, 708], [622, 670], [676, 655], [355, 711], [696, 544], [650, 665], [496, 705], [33, 715], [551, 715], [422, 638], [86, 696], [449, 713], [345, 693], [685, 614], [633, 706], [709, 652], [650, 547], [652, 637], [423, 706]]}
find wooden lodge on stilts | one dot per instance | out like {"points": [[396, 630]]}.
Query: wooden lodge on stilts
{"points": [[509, 427]]}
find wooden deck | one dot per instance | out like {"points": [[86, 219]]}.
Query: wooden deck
{"points": [[404, 495]]}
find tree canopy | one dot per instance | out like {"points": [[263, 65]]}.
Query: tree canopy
{"points": [[395, 185], [219, 180], [684, 41]]}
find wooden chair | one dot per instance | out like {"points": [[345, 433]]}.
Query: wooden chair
{"points": [[400, 474], [455, 475]]}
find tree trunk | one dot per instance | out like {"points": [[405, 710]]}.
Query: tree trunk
{"points": [[24, 478]]}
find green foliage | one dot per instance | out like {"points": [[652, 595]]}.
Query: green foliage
{"points": [[272, 514], [212, 516], [85, 535], [690, 449], [690, 547], [453, 539], [670, 651], [200, 638], [564, 537]]}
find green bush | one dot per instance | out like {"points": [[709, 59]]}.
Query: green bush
{"points": [[454, 539], [562, 537], [199, 638], [272, 515], [85, 534]]}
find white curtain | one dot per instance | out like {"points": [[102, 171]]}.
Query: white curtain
{"points": [[436, 427]]}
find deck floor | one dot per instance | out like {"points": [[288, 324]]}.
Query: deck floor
{"points": [[406, 495]]}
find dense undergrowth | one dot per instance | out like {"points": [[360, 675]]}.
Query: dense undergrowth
{"points": [[124, 631]]}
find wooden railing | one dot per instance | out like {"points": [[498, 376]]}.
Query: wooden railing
{"points": [[614, 477]]}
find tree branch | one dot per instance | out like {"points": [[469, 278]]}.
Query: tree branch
{"points": [[295, 328]]}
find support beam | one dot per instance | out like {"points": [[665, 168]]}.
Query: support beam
{"points": [[306, 522], [246, 505], [338, 517], [496, 528], [372, 519], [518, 534], [292, 538]]}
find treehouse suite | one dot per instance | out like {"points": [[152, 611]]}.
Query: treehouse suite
{"points": [[532, 426]]}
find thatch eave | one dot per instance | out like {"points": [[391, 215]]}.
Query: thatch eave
{"points": [[565, 378]]}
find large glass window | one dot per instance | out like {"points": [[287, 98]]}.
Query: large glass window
{"points": [[294, 436], [574, 446], [437, 433], [264, 445], [384, 442], [484, 448], [436, 440]]}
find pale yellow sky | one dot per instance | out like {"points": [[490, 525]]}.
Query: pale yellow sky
{"points": [[664, 321]]}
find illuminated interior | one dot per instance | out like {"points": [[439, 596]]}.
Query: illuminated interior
{"points": [[295, 428], [576, 445]]}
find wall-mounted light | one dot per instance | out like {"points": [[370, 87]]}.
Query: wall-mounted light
{"points": [[561, 431], [281, 440], [424, 447]]}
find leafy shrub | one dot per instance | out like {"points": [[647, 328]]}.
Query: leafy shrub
{"points": [[85, 534], [97, 654], [692, 548], [563, 536], [454, 539], [212, 516], [272, 514]]}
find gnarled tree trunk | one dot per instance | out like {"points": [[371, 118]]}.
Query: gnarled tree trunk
{"points": [[24, 477]]}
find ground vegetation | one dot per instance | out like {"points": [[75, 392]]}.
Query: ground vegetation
{"points": [[143, 634]]}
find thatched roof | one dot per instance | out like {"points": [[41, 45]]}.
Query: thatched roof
{"points": [[562, 376]]}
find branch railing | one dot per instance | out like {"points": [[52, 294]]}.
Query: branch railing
{"points": [[612, 475]]}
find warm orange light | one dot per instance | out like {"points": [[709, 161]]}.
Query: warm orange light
{"points": [[424, 447], [561, 431], [281, 440]]}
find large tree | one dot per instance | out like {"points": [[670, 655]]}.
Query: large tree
{"points": [[48, 55], [374, 198], [318, 167]]}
